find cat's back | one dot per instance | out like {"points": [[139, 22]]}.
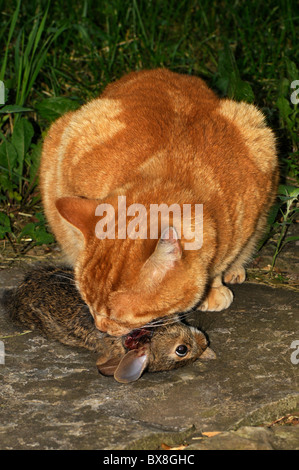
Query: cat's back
{"points": [[161, 121], [110, 137]]}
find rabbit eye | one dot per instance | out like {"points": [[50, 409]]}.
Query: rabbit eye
{"points": [[181, 350]]}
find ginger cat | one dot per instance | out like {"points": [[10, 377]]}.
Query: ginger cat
{"points": [[158, 137]]}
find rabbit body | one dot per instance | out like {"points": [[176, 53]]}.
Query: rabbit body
{"points": [[48, 300]]}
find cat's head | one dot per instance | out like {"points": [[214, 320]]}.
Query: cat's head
{"points": [[129, 282]]}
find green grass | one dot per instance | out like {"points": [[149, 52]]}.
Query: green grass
{"points": [[59, 54]]}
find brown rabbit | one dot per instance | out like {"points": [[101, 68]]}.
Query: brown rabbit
{"points": [[48, 299]]}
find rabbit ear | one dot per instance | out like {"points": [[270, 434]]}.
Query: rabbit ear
{"points": [[132, 365], [109, 366]]}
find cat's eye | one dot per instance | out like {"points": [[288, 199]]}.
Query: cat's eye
{"points": [[181, 350]]}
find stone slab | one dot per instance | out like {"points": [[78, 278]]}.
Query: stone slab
{"points": [[51, 396]]}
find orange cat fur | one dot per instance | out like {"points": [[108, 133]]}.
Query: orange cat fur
{"points": [[158, 137]]}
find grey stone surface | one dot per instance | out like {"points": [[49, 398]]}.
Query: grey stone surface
{"points": [[51, 396], [251, 438]]}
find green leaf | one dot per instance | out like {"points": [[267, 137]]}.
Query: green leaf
{"points": [[228, 79], [284, 88], [227, 70], [8, 156], [288, 190], [52, 108], [15, 195], [5, 182], [37, 232], [5, 226], [35, 159], [43, 237], [291, 239], [292, 71], [284, 107], [243, 91], [21, 140], [273, 213], [40, 217], [13, 108], [27, 230]]}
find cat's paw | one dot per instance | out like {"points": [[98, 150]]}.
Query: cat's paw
{"points": [[218, 298], [235, 276]]}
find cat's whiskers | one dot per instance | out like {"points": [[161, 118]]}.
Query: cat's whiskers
{"points": [[70, 278], [164, 321]]}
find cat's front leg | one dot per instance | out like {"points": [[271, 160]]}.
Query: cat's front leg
{"points": [[219, 297], [235, 275]]}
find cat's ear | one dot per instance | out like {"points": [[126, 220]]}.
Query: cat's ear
{"points": [[168, 251], [79, 212], [169, 247]]}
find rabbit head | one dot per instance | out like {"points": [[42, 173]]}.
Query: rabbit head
{"points": [[165, 347]]}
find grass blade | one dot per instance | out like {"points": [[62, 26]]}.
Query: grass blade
{"points": [[10, 33]]}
